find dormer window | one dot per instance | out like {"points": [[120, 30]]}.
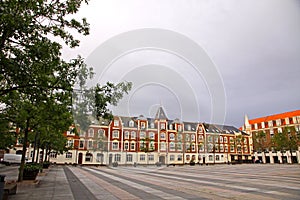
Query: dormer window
{"points": [[152, 125], [131, 123], [143, 125], [189, 127], [116, 122]]}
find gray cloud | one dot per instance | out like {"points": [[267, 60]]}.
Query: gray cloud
{"points": [[255, 46]]}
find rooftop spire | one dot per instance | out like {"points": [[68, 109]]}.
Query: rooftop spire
{"points": [[160, 114]]}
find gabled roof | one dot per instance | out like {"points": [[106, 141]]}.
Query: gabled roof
{"points": [[221, 129], [160, 114], [274, 117]]}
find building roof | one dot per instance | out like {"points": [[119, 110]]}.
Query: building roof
{"points": [[221, 129], [160, 113], [275, 117]]}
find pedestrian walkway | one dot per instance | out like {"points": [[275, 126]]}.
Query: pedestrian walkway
{"points": [[52, 185], [266, 182]]}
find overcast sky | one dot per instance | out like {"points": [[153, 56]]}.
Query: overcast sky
{"points": [[248, 52]]}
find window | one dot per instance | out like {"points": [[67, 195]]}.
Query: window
{"points": [[81, 144], [187, 137], [172, 146], [115, 134], [232, 148], [126, 135], [151, 146], [179, 158], [90, 144], [263, 125], [133, 135], [179, 128], [142, 157], [162, 136], [88, 157], [201, 147], [70, 143], [163, 146], [271, 133], [210, 158], [162, 126], [143, 125], [279, 130], [231, 140], [172, 136], [200, 138], [91, 132], [210, 147], [128, 158], [226, 148], [210, 138], [189, 127], [270, 123], [151, 157], [152, 135], [217, 157], [179, 136], [117, 157], [152, 125], [68, 155], [188, 146], [216, 139], [245, 149], [221, 148], [171, 127], [187, 157], [216, 148], [142, 135], [172, 157], [99, 157], [221, 139], [193, 147], [101, 145], [126, 146], [116, 122], [115, 145], [142, 145], [179, 146], [193, 137], [132, 146], [278, 122], [131, 123], [225, 139], [101, 133], [255, 126]]}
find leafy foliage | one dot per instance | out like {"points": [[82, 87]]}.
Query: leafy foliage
{"points": [[286, 140]]}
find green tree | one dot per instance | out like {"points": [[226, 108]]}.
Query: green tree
{"points": [[32, 70], [259, 140], [286, 140]]}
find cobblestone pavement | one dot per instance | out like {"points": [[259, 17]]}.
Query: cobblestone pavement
{"points": [[252, 181]]}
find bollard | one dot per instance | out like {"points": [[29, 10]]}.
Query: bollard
{"points": [[2, 182]]}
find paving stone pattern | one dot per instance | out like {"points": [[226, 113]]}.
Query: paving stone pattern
{"points": [[253, 181]]}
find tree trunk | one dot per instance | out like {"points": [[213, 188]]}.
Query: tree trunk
{"points": [[21, 170], [37, 150], [34, 148]]}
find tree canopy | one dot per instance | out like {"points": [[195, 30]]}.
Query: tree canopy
{"points": [[36, 82]]}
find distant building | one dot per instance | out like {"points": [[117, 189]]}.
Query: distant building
{"points": [[263, 129], [141, 140]]}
